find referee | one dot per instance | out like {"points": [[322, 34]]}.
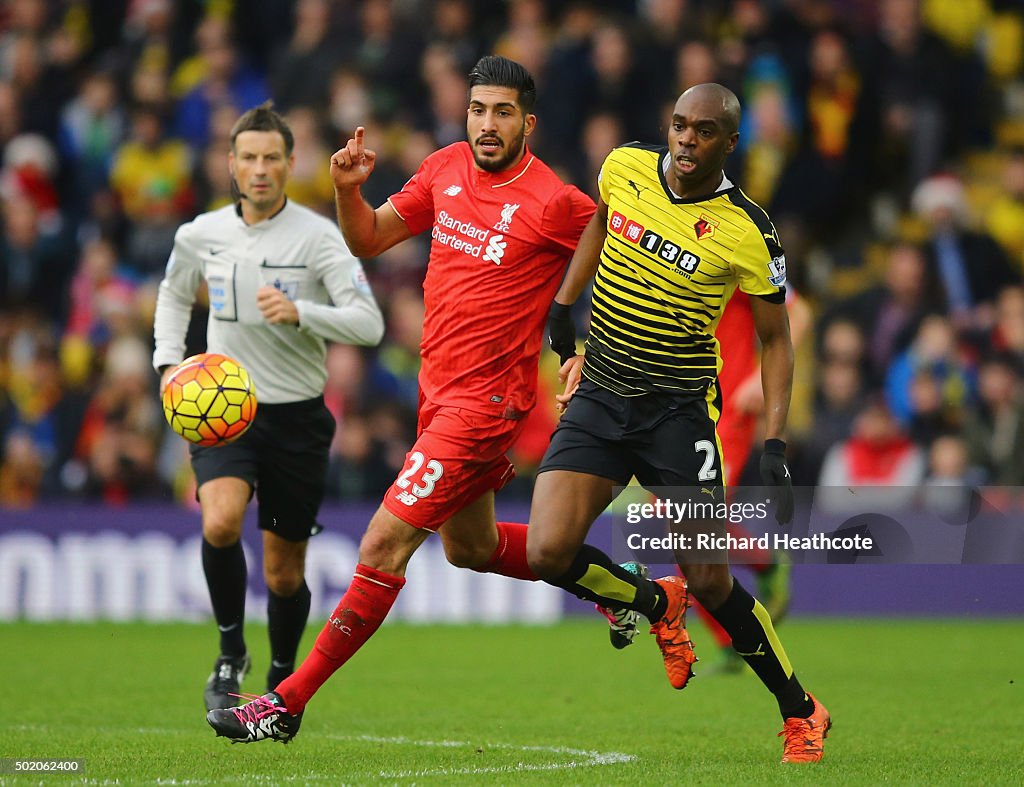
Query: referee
{"points": [[282, 283]]}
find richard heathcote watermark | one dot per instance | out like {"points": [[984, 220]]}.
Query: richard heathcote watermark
{"points": [[926, 524], [696, 527]]}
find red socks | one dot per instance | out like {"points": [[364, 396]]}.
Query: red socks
{"points": [[758, 559], [358, 615], [365, 605], [509, 559], [721, 636]]}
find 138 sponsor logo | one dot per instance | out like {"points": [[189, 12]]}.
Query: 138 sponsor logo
{"points": [[685, 261]]}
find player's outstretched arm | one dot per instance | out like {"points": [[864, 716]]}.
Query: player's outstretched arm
{"points": [[749, 396], [367, 232], [587, 257], [582, 267], [772, 324]]}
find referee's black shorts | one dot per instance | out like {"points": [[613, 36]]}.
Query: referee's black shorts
{"points": [[283, 457], [662, 439]]}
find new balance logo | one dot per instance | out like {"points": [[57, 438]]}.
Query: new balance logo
{"points": [[495, 248], [453, 191], [406, 498]]}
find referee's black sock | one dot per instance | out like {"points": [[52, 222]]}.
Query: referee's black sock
{"points": [[286, 619], [593, 576], [226, 579], [755, 640]]}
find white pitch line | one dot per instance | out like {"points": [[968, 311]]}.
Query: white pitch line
{"points": [[579, 758], [582, 758]]}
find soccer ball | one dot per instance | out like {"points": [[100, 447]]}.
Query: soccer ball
{"points": [[209, 399]]}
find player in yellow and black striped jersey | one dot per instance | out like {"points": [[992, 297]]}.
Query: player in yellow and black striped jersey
{"points": [[670, 242], [668, 267]]}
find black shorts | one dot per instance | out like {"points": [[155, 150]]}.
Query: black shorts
{"points": [[661, 439], [283, 457]]}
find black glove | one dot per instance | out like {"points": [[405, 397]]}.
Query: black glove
{"points": [[561, 331], [774, 472]]}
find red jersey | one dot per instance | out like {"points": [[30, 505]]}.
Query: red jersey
{"points": [[737, 344], [500, 244]]}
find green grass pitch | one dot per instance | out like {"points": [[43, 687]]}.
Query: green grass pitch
{"points": [[913, 702]]}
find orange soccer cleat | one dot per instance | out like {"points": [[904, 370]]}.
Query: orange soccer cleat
{"points": [[670, 631], [805, 738]]}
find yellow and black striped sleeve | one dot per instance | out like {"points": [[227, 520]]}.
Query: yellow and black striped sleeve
{"points": [[759, 261]]}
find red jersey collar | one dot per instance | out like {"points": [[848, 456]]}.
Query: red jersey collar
{"points": [[507, 176]]}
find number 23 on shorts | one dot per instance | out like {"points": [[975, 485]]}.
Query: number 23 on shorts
{"points": [[431, 472]]}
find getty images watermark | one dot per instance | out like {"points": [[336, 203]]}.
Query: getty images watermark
{"points": [[928, 524], [704, 536]]}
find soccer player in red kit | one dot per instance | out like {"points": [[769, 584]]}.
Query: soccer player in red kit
{"points": [[503, 228]]}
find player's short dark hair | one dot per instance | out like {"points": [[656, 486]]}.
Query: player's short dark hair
{"points": [[264, 118], [499, 71]]}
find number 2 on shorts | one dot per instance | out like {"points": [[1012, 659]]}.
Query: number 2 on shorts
{"points": [[707, 470]]}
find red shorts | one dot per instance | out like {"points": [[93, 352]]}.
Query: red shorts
{"points": [[458, 456], [736, 433]]}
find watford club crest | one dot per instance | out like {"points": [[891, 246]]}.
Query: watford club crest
{"points": [[704, 227]]}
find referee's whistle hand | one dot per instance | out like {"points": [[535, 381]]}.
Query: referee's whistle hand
{"points": [[276, 307]]}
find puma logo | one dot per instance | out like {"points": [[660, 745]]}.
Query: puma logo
{"points": [[756, 652], [636, 188]]}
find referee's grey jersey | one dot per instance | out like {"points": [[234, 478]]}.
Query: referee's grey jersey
{"points": [[297, 251]]}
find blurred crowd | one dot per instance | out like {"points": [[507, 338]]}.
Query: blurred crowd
{"points": [[885, 137]]}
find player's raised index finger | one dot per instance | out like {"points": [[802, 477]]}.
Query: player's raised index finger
{"points": [[360, 131]]}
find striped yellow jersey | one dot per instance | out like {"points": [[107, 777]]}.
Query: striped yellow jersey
{"points": [[668, 267]]}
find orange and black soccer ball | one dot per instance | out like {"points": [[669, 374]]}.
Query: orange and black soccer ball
{"points": [[209, 399]]}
